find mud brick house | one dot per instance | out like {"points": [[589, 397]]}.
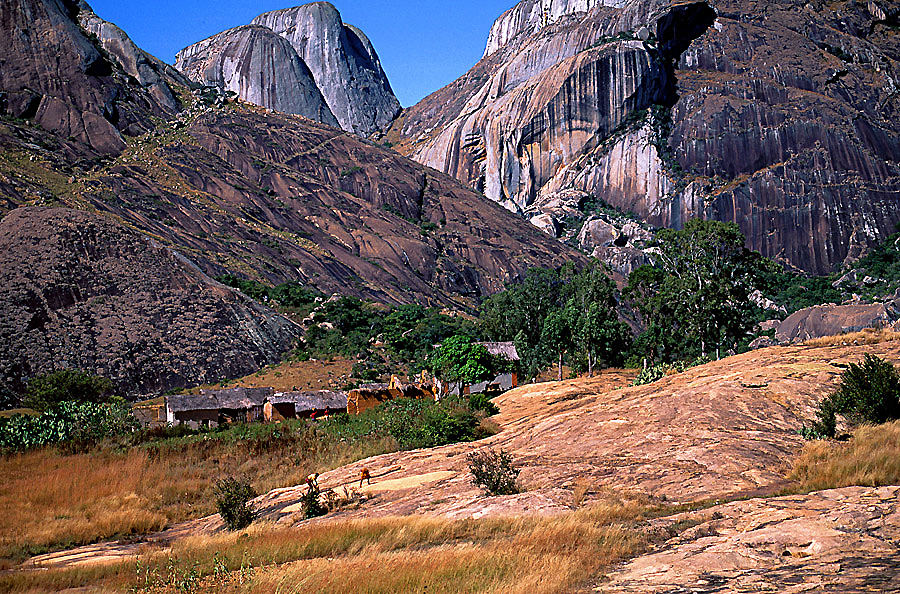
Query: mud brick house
{"points": [[303, 405], [211, 408], [371, 395]]}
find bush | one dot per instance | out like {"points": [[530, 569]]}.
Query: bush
{"points": [[232, 501], [78, 423], [483, 403], [67, 385], [869, 394], [494, 471], [311, 503]]}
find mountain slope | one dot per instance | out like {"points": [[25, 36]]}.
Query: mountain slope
{"points": [[780, 116], [82, 292]]}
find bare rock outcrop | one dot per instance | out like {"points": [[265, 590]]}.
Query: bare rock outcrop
{"points": [[343, 62], [259, 66], [832, 320], [80, 291], [53, 73], [840, 540], [780, 116]]}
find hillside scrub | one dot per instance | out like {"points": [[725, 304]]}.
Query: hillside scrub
{"points": [[62, 499], [348, 326], [66, 385]]}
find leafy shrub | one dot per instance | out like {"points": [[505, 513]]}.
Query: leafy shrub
{"points": [[79, 423], [411, 423], [311, 503], [869, 394], [660, 370], [8, 398], [232, 500], [494, 471], [483, 403], [66, 385]]}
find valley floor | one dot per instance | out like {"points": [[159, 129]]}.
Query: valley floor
{"points": [[700, 479]]}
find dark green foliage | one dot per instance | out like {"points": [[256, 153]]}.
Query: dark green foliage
{"points": [[460, 359], [233, 502], [494, 471], [559, 315], [311, 502], [483, 403], [869, 393], [411, 423], [288, 295], [79, 424], [694, 299], [67, 385]]}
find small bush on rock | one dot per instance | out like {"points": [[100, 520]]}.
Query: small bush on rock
{"points": [[233, 502], [869, 394], [494, 471], [483, 403], [311, 502]]}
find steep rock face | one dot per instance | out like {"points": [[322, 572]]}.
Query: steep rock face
{"points": [[66, 83], [260, 67], [531, 15], [343, 62], [279, 198], [80, 291], [782, 117]]}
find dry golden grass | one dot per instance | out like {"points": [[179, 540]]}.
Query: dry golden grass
{"points": [[385, 555], [869, 336], [51, 501], [870, 459]]}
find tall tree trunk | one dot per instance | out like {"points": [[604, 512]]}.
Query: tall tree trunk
{"points": [[559, 378]]}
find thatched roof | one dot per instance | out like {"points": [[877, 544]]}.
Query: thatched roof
{"points": [[231, 399], [313, 400], [506, 349]]}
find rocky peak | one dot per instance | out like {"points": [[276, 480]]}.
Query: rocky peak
{"points": [[90, 89], [529, 16], [343, 63], [779, 116], [260, 67]]}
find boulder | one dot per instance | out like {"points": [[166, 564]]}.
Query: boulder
{"points": [[831, 320]]}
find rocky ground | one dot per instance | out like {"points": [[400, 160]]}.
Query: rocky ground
{"points": [[843, 540], [723, 431]]}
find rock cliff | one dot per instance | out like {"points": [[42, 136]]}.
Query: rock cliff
{"points": [[232, 187], [52, 71], [277, 61], [343, 62], [780, 116], [260, 67], [80, 291]]}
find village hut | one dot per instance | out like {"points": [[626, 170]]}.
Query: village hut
{"points": [[371, 395], [300, 405], [211, 408]]}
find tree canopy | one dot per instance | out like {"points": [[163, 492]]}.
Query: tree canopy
{"points": [[696, 295]]}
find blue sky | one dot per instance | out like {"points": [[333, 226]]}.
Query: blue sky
{"points": [[423, 44]]}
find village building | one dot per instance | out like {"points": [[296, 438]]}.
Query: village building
{"points": [[369, 396], [210, 408], [501, 383], [304, 405]]}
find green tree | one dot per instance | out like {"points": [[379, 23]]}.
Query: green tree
{"points": [[66, 385], [460, 359], [557, 335], [697, 294]]}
